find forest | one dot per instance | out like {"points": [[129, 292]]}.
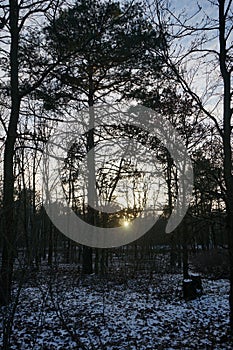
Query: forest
{"points": [[116, 174]]}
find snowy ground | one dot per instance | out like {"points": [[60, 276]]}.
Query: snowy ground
{"points": [[65, 311]]}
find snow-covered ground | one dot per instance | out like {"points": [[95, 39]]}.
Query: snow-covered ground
{"points": [[65, 311]]}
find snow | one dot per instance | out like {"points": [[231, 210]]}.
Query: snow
{"points": [[194, 274], [73, 312]]}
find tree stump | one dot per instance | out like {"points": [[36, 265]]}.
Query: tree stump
{"points": [[192, 287]]}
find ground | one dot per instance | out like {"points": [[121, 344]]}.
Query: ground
{"points": [[62, 310]]}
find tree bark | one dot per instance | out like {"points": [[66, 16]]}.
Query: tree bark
{"points": [[227, 114], [8, 187], [91, 190]]}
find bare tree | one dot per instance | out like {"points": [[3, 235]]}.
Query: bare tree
{"points": [[17, 19], [200, 58]]}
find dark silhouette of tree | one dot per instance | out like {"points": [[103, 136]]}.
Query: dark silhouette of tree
{"points": [[103, 49], [187, 59], [20, 81]]}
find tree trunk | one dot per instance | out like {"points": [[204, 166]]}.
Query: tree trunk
{"points": [[185, 260], [50, 247], [87, 260], [227, 114], [91, 190], [8, 186]]}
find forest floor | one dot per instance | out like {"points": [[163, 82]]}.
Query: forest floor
{"points": [[62, 310]]}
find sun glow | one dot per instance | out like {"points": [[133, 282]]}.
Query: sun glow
{"points": [[126, 223]]}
